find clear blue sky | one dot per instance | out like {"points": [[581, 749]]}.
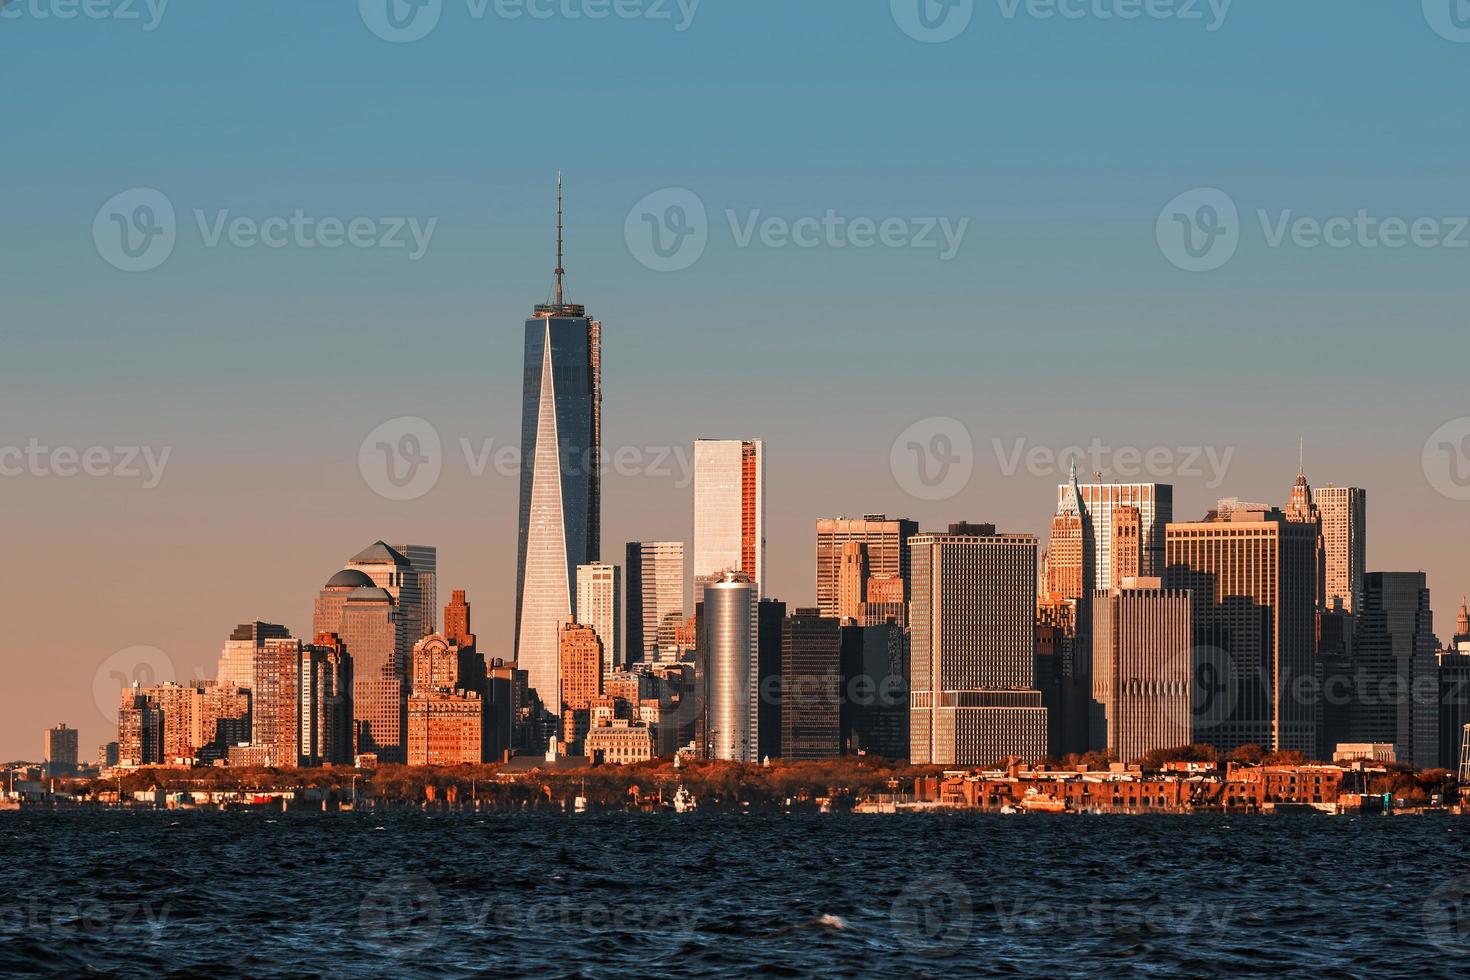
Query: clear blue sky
{"points": [[1058, 321]]}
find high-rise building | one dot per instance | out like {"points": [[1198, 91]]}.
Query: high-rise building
{"points": [[1462, 622], [372, 633], [1252, 574], [1302, 509], [219, 719], [885, 555], [275, 701], [770, 623], [730, 649], [1127, 546], [324, 705], [445, 728], [457, 627], [1344, 513], [175, 703], [875, 690], [655, 584], [392, 572], [1143, 669], [973, 699], [561, 463], [1155, 504], [237, 661], [582, 668], [600, 606], [1454, 702], [852, 580], [61, 751], [1070, 562], [425, 562], [139, 729], [811, 686], [1396, 696], [107, 755], [729, 510]]}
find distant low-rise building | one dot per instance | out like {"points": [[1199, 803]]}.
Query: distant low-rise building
{"points": [[620, 743]]}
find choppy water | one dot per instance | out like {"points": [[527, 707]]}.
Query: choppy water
{"points": [[659, 894]]}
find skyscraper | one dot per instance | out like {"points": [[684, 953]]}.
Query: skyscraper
{"points": [[391, 571], [373, 635], [729, 510], [61, 751], [324, 699], [1143, 669], [275, 700], [973, 699], [600, 606], [1071, 564], [1344, 544], [581, 668], [457, 627], [1302, 509], [811, 686], [1253, 578], [884, 554], [1155, 504], [1396, 695], [425, 562], [655, 586], [237, 661], [561, 491], [730, 648]]}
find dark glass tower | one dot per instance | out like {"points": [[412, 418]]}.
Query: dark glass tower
{"points": [[561, 455]]}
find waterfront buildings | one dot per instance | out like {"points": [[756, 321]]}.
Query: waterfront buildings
{"points": [[445, 727], [655, 585], [620, 742], [600, 606], [973, 699], [811, 686], [730, 647], [61, 750], [1143, 670], [561, 490], [1252, 574], [729, 510]]}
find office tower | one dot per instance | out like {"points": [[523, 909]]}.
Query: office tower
{"points": [[852, 578], [972, 694], [1394, 653], [425, 562], [61, 751], [561, 451], [1253, 578], [1070, 563], [392, 572], [327, 611], [1454, 702], [139, 729], [884, 549], [1060, 678], [237, 662], [325, 703], [446, 728], [1302, 509], [457, 627], [581, 667], [875, 703], [770, 622], [505, 689], [729, 510], [730, 644], [1127, 546], [1344, 513], [886, 601], [275, 725], [372, 633], [1155, 504], [1143, 669], [438, 663], [600, 606], [655, 600], [811, 686]]}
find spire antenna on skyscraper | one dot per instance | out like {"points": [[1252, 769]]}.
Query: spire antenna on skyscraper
{"points": [[560, 272]]}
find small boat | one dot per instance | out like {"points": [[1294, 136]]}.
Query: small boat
{"points": [[684, 801], [579, 805], [1036, 801]]}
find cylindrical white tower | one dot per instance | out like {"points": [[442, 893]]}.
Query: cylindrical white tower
{"points": [[731, 664]]}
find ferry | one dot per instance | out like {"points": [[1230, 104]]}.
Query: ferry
{"points": [[684, 801], [1038, 802]]}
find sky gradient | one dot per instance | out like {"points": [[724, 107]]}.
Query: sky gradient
{"points": [[1059, 320]]}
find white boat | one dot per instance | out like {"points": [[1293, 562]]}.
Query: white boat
{"points": [[684, 801], [579, 805]]}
